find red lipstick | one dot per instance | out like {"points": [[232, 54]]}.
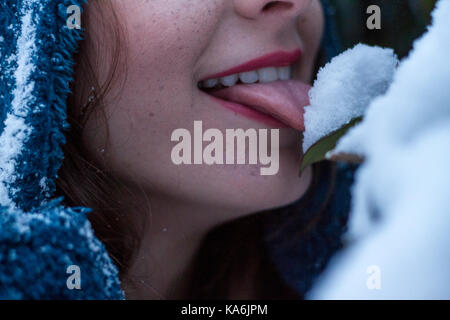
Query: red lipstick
{"points": [[275, 59]]}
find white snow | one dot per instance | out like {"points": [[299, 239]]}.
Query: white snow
{"points": [[345, 87], [16, 131], [405, 182]]}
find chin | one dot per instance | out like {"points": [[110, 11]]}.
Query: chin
{"points": [[243, 190]]}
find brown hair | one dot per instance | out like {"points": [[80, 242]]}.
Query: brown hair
{"points": [[83, 182]]}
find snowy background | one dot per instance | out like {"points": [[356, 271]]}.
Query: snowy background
{"points": [[399, 239]]}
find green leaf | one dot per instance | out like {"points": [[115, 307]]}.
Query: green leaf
{"points": [[318, 150]]}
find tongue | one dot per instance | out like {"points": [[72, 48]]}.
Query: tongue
{"points": [[283, 100]]}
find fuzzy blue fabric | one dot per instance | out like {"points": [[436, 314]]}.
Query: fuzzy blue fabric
{"points": [[40, 238]]}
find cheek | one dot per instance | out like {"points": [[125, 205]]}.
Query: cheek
{"points": [[310, 27], [164, 41], [165, 38], [311, 23]]}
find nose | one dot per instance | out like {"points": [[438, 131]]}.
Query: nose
{"points": [[252, 9]]}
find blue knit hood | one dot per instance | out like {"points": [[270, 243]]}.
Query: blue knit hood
{"points": [[40, 239]]}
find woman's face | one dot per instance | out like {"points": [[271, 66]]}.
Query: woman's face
{"points": [[173, 45]]}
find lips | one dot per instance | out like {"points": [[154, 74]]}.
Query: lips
{"points": [[279, 103], [276, 59], [281, 100]]}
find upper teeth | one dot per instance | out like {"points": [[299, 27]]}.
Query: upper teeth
{"points": [[261, 75]]}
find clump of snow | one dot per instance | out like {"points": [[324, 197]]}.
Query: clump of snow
{"points": [[400, 214], [345, 87]]}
